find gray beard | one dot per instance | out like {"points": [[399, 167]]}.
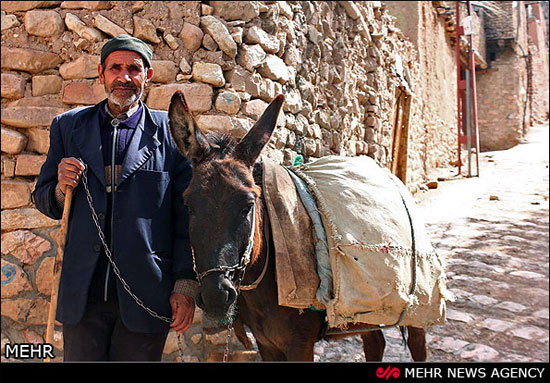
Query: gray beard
{"points": [[124, 104]]}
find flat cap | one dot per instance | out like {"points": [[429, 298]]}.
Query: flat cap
{"points": [[127, 43]]}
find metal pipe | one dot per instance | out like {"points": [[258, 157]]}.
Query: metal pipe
{"points": [[458, 92], [468, 121], [474, 92]]}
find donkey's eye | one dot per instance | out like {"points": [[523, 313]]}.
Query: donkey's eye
{"points": [[246, 210]]}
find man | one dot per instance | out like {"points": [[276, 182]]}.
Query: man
{"points": [[136, 178]]}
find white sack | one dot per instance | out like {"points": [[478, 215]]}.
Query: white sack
{"points": [[369, 235]]}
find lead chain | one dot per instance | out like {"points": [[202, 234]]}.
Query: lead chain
{"points": [[230, 317]]}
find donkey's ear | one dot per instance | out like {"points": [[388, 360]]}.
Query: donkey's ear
{"points": [[187, 135], [249, 148]]}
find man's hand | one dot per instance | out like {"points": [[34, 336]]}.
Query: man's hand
{"points": [[69, 172], [183, 310]]}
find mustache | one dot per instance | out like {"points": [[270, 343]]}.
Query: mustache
{"points": [[123, 85]]}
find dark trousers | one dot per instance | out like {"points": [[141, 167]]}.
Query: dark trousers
{"points": [[101, 336]]}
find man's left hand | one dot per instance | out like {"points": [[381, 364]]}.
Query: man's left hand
{"points": [[183, 310]]}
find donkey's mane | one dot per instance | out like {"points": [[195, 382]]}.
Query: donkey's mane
{"points": [[221, 144]]}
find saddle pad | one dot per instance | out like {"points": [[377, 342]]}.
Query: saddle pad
{"points": [[291, 229], [371, 219]]}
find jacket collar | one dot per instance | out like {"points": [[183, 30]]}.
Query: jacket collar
{"points": [[87, 138], [143, 143]]}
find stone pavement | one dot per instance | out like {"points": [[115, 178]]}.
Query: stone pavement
{"points": [[494, 231]]}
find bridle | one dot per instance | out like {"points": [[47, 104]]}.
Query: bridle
{"points": [[239, 268]]}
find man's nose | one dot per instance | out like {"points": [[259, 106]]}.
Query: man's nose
{"points": [[124, 76]]}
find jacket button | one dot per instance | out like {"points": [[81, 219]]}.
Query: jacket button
{"points": [[101, 216], [97, 248]]}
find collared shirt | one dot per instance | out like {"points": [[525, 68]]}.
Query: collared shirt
{"points": [[125, 115], [127, 123]]}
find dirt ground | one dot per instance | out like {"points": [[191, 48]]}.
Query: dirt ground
{"points": [[494, 231]]}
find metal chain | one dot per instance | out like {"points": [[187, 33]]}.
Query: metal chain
{"points": [[116, 270], [180, 347], [228, 340], [230, 316]]}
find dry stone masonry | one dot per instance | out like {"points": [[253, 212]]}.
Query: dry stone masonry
{"points": [[337, 63]]}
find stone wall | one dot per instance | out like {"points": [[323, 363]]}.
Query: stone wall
{"points": [[337, 63]]}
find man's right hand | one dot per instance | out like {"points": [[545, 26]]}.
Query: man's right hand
{"points": [[69, 172]]}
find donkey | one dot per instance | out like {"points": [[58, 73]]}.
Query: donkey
{"points": [[229, 234]]}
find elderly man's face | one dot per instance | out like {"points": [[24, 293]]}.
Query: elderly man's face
{"points": [[124, 77]]}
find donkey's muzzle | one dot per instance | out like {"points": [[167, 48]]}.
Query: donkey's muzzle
{"points": [[216, 296]]}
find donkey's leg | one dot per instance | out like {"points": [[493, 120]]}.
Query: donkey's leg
{"points": [[296, 352], [373, 345], [302, 352], [300, 337], [269, 353], [287, 335], [417, 344], [240, 333]]}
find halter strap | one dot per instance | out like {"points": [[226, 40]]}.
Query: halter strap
{"points": [[253, 285], [244, 260]]}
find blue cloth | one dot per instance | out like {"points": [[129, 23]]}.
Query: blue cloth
{"points": [[325, 291], [151, 237]]}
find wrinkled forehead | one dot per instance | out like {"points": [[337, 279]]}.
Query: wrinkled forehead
{"points": [[125, 57], [221, 178]]}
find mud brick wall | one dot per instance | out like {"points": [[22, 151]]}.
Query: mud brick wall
{"points": [[538, 61], [501, 118], [502, 25], [436, 90], [334, 61], [515, 86]]}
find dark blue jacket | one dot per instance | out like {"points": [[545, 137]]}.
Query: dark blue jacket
{"points": [[150, 224]]}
